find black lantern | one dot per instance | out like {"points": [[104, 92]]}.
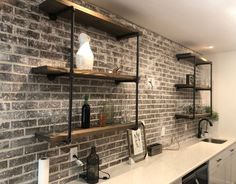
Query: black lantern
{"points": [[93, 167]]}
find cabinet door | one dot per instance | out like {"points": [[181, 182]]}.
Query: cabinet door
{"points": [[217, 175], [217, 170], [233, 167], [228, 169]]}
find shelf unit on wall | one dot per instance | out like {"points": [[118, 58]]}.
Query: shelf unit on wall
{"points": [[196, 61], [76, 13], [53, 72], [59, 137]]}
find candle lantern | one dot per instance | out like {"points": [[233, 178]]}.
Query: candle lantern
{"points": [[93, 167]]}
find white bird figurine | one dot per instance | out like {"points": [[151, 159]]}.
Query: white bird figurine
{"points": [[84, 56]]}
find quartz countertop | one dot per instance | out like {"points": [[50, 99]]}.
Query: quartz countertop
{"points": [[166, 167]]}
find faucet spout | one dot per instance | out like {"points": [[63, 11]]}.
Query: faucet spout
{"points": [[199, 135]]}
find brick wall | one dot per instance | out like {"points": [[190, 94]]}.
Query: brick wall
{"points": [[31, 103]]}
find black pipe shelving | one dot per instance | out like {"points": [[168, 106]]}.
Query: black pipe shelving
{"points": [[76, 13], [87, 18], [196, 61]]}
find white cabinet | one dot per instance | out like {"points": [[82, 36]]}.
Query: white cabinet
{"points": [[222, 168], [228, 167], [217, 168], [234, 168], [233, 164]]}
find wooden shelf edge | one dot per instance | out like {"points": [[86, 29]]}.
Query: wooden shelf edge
{"points": [[190, 57], [88, 17], [199, 88], [59, 71], [182, 86], [59, 137], [189, 116], [185, 86]]}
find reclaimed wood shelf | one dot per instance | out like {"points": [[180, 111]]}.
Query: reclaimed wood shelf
{"points": [[86, 17], [191, 57], [190, 116], [74, 13], [186, 86], [57, 71], [75, 134]]}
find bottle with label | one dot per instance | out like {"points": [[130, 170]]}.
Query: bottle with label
{"points": [[102, 116], [85, 118], [93, 166], [110, 112]]}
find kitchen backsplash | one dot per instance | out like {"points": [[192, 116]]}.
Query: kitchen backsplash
{"points": [[31, 103]]}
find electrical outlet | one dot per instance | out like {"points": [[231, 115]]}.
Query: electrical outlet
{"points": [[150, 83], [73, 151], [185, 127], [163, 131]]}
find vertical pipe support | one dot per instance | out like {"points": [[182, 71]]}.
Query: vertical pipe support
{"points": [[194, 88], [137, 83], [211, 89], [71, 75]]}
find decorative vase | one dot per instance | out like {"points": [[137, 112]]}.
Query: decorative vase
{"points": [[84, 56]]}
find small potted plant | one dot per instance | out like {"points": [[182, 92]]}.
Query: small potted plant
{"points": [[214, 116]]}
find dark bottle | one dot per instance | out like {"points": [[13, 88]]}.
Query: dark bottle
{"points": [[85, 119], [93, 167]]}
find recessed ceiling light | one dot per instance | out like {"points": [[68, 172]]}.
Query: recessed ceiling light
{"points": [[210, 47], [232, 12]]}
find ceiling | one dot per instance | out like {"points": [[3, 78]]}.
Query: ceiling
{"points": [[196, 24]]}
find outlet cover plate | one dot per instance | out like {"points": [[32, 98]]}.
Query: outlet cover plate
{"points": [[185, 126], [163, 131], [73, 151]]}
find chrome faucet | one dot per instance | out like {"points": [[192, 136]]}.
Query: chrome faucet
{"points": [[199, 134]]}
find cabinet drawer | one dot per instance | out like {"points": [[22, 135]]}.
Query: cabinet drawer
{"points": [[231, 149], [217, 160]]}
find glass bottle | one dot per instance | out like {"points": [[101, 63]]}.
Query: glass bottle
{"points": [[110, 110], [85, 118], [102, 117]]}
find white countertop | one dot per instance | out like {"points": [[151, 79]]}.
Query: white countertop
{"points": [[167, 167]]}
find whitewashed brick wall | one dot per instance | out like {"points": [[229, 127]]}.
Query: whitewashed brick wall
{"points": [[31, 103]]}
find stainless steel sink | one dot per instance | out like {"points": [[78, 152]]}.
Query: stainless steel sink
{"points": [[214, 141]]}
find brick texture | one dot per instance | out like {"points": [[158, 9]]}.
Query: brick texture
{"points": [[31, 103]]}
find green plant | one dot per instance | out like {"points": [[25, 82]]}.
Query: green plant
{"points": [[214, 116]]}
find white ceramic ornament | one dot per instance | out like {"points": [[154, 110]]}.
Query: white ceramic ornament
{"points": [[84, 56]]}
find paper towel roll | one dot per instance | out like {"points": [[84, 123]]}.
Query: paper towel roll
{"points": [[43, 171]]}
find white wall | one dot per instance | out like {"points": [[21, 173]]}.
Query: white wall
{"points": [[224, 92]]}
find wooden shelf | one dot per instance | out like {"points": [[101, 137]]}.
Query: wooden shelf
{"points": [[203, 88], [86, 17], [190, 116], [59, 137], [56, 71], [190, 57], [186, 86]]}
